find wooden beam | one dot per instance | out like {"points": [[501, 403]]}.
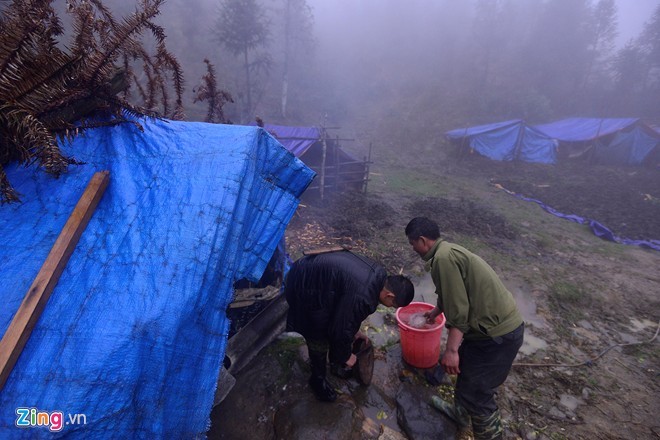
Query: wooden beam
{"points": [[34, 302]]}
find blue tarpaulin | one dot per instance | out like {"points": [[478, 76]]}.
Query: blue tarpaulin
{"points": [[507, 141], [295, 139], [615, 141], [597, 228], [625, 141], [631, 148], [132, 339], [584, 129]]}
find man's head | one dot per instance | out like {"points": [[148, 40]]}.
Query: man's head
{"points": [[422, 234], [397, 292]]}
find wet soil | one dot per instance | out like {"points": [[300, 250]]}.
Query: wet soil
{"points": [[589, 366], [626, 200]]}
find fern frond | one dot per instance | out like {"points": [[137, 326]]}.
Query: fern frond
{"points": [[7, 193]]}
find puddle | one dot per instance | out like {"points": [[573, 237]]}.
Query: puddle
{"points": [[532, 343], [637, 325], [569, 402], [527, 307], [376, 406]]}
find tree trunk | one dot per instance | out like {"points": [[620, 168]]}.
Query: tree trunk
{"points": [[285, 74], [248, 85]]}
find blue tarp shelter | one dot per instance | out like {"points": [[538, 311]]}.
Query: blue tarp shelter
{"points": [[507, 141], [623, 141], [337, 168], [584, 129], [295, 139], [132, 339]]}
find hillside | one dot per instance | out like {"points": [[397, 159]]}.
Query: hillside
{"points": [[591, 306]]}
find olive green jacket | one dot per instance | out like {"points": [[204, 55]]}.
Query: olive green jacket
{"points": [[470, 294]]}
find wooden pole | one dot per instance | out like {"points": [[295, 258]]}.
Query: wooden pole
{"points": [[323, 155], [34, 302], [367, 162]]}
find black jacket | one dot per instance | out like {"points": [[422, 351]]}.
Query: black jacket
{"points": [[329, 296]]}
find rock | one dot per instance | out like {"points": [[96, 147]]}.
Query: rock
{"points": [[311, 419], [370, 428], [418, 419], [556, 413], [390, 434]]}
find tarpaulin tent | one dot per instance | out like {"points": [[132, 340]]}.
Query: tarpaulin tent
{"points": [[132, 339], [507, 141], [584, 129], [337, 169], [626, 141]]}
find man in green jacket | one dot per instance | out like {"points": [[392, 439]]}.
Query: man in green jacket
{"points": [[485, 327]]}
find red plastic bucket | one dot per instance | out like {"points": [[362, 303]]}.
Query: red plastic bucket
{"points": [[420, 346]]}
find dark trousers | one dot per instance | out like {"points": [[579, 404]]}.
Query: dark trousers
{"points": [[318, 356], [484, 366]]}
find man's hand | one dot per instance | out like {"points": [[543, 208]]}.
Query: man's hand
{"points": [[350, 363], [450, 358], [449, 362], [432, 314]]}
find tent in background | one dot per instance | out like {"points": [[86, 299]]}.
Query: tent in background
{"points": [[336, 168], [613, 141], [132, 339], [507, 141]]}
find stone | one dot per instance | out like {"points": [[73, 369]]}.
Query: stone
{"points": [[312, 420], [417, 418]]}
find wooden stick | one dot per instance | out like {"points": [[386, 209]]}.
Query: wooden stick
{"points": [[35, 300], [325, 250]]}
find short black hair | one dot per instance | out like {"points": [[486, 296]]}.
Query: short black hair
{"points": [[402, 288], [422, 227]]}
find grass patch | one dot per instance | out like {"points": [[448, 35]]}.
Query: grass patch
{"points": [[567, 293], [411, 183], [285, 350], [569, 300]]}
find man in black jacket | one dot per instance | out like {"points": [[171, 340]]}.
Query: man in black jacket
{"points": [[329, 295]]}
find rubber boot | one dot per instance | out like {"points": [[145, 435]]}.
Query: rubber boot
{"points": [[341, 371], [317, 382], [452, 410], [488, 427]]}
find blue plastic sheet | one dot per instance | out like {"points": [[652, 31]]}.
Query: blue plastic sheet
{"points": [[597, 228], [507, 141], [632, 140], [629, 148], [584, 129], [133, 336]]}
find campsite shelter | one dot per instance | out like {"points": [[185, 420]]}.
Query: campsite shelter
{"points": [[336, 168], [612, 141], [506, 141], [133, 336]]}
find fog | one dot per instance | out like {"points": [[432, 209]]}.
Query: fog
{"points": [[526, 59], [380, 64]]}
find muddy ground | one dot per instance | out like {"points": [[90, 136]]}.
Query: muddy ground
{"points": [[589, 368]]}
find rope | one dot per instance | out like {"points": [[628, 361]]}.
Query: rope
{"points": [[592, 360]]}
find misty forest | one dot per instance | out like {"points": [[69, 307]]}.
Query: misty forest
{"points": [[388, 79]]}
